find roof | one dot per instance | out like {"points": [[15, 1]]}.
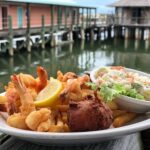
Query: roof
{"points": [[49, 2], [131, 3]]}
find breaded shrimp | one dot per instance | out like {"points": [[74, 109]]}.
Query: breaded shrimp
{"points": [[17, 120], [39, 118], [42, 79]]}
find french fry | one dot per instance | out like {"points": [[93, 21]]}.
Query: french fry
{"points": [[123, 119], [117, 113], [112, 105]]}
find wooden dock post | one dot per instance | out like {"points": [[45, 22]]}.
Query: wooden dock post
{"points": [[10, 37], [92, 33], [116, 32], [71, 27], [138, 33], [66, 11], [127, 33], [87, 17], [28, 45], [82, 26], [98, 33], [52, 40], [43, 32], [109, 32], [147, 34]]}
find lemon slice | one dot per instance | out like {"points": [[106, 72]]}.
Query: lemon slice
{"points": [[48, 97]]}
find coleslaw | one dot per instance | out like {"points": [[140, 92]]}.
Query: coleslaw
{"points": [[116, 80]]}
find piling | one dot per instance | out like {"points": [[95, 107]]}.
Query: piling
{"points": [[82, 34], [28, 45], [137, 33], [43, 32], [147, 34], [92, 33], [10, 37], [109, 32]]}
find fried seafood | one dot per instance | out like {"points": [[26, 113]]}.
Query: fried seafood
{"points": [[34, 86], [65, 77], [27, 104], [39, 120], [42, 79], [89, 115], [74, 89]]}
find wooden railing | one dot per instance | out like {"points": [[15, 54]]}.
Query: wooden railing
{"points": [[132, 21]]}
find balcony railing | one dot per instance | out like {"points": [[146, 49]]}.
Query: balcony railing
{"points": [[132, 21]]}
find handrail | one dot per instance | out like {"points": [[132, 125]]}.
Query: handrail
{"points": [[132, 20]]}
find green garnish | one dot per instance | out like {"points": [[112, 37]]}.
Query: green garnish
{"points": [[93, 86]]}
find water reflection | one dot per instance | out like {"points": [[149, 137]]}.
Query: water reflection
{"points": [[78, 57]]}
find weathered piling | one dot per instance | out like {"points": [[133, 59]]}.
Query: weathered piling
{"points": [[10, 37], [138, 33], [28, 45], [43, 32], [147, 34], [117, 32]]}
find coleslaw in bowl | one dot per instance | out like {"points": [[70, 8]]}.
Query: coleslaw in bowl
{"points": [[123, 84]]}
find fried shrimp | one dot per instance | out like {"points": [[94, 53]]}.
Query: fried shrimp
{"points": [[28, 117], [42, 79], [39, 120], [17, 120], [66, 76]]}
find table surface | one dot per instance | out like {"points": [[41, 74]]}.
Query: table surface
{"points": [[130, 142]]}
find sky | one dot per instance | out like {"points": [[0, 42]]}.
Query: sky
{"points": [[100, 4]]}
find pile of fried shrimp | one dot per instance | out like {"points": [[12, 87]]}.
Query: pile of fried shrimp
{"points": [[22, 90]]}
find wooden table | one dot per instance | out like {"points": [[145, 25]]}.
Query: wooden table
{"points": [[130, 142]]}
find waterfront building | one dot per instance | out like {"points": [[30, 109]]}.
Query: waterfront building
{"points": [[25, 18], [133, 16]]}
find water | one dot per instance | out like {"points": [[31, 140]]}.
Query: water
{"points": [[78, 57]]}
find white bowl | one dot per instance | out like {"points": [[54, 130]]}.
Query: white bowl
{"points": [[128, 103]]}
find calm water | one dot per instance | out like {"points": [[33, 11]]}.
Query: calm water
{"points": [[78, 57]]}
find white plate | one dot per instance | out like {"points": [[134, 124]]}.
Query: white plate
{"points": [[128, 103], [139, 124]]}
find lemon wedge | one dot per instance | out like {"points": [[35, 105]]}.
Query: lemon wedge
{"points": [[48, 97]]}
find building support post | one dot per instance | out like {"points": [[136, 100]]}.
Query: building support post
{"points": [[116, 32], [43, 32], [137, 33], [90, 17], [87, 17], [28, 45], [98, 33], [82, 26], [109, 32], [78, 18], [71, 27], [95, 17], [92, 34], [127, 33], [52, 41], [66, 11], [147, 34], [10, 37]]}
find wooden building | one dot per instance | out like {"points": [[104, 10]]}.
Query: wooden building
{"points": [[132, 12], [25, 18], [134, 17], [54, 13]]}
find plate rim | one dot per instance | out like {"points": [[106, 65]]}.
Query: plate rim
{"points": [[120, 131]]}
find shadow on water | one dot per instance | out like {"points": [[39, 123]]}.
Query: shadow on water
{"points": [[78, 57]]}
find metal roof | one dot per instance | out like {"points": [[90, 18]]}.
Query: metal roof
{"points": [[49, 2], [131, 3]]}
